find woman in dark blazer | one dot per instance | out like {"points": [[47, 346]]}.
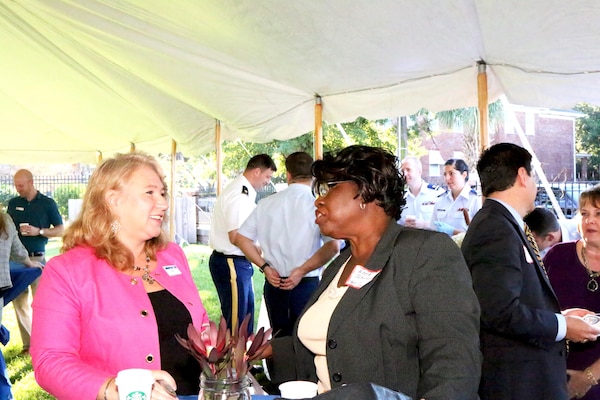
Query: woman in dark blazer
{"points": [[396, 307]]}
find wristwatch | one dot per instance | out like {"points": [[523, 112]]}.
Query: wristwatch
{"points": [[41, 232], [262, 267]]}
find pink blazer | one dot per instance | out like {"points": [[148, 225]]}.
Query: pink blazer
{"points": [[90, 321]]}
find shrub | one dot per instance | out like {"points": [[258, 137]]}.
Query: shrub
{"points": [[63, 193], [7, 192]]}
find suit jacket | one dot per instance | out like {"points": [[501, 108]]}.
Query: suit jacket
{"points": [[521, 359], [413, 328], [90, 321]]}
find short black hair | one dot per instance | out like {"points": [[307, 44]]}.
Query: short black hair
{"points": [[262, 161], [299, 165], [375, 171], [459, 165], [499, 165], [542, 221]]}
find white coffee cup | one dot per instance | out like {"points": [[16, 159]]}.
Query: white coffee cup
{"points": [[298, 390], [134, 384], [411, 218]]}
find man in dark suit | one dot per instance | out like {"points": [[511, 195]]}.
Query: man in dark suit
{"points": [[522, 328]]}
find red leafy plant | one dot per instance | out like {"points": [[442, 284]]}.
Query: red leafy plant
{"points": [[222, 355]]}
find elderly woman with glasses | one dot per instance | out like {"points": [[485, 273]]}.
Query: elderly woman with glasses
{"points": [[396, 307]]}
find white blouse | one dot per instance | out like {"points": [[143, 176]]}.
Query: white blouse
{"points": [[314, 324]]}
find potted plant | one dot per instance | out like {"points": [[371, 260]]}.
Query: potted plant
{"points": [[224, 358]]}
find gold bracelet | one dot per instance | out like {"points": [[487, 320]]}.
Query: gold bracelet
{"points": [[590, 376], [106, 388]]}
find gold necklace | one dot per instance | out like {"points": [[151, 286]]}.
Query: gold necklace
{"points": [[146, 277], [592, 284]]}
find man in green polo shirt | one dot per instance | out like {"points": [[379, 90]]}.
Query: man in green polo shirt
{"points": [[36, 218]]}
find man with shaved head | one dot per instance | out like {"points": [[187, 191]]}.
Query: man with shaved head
{"points": [[36, 218], [420, 196]]}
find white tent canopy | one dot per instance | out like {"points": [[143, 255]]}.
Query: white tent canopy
{"points": [[81, 76]]}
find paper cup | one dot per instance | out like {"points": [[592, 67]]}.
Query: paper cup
{"points": [[134, 384], [410, 220], [298, 390]]}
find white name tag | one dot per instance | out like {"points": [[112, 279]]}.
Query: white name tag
{"points": [[360, 276], [172, 270], [19, 209], [527, 255]]}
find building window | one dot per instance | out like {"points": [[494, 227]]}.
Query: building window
{"points": [[509, 126], [529, 123], [436, 163]]}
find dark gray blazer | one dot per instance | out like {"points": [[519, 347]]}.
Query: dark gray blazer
{"points": [[521, 359], [413, 328]]}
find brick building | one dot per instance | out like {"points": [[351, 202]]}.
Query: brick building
{"points": [[551, 134]]}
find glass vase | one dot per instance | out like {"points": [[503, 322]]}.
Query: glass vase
{"points": [[224, 389]]}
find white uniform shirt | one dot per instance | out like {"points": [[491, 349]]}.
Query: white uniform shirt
{"points": [[450, 211], [232, 208], [421, 205], [569, 232], [284, 226], [569, 229]]}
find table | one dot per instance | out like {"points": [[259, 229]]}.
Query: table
{"points": [[21, 277]]}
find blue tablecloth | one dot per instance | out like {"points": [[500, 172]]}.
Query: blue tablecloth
{"points": [[21, 277]]}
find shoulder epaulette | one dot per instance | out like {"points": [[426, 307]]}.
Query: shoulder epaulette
{"points": [[443, 193], [432, 186], [473, 191], [245, 190]]}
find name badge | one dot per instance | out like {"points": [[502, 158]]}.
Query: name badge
{"points": [[19, 208], [527, 255], [172, 270], [360, 276]]}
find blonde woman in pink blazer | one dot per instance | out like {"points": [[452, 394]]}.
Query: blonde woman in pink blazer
{"points": [[118, 293]]}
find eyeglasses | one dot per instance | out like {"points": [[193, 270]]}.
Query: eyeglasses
{"points": [[320, 189]]}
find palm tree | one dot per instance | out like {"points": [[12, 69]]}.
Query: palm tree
{"points": [[468, 118]]}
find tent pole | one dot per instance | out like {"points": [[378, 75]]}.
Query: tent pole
{"points": [[482, 104], [535, 162], [219, 156], [172, 191], [318, 134], [131, 147]]}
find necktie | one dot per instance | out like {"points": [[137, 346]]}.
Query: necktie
{"points": [[534, 246]]}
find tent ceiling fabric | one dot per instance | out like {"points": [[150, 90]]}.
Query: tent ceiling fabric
{"points": [[80, 76]]}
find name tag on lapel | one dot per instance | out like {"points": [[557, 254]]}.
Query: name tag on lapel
{"points": [[360, 276], [172, 270], [527, 255]]}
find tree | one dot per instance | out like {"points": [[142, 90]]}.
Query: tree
{"points": [[377, 133], [468, 118], [587, 137], [199, 173], [63, 193]]}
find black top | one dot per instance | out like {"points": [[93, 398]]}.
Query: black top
{"points": [[172, 317]]}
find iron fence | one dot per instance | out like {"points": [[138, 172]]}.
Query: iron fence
{"points": [[59, 187]]}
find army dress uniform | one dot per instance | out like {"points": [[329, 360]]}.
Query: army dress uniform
{"points": [[231, 271]]}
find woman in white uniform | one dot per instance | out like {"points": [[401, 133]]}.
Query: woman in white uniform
{"points": [[456, 207]]}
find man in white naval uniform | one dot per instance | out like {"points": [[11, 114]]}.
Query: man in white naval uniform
{"points": [[420, 196], [548, 230]]}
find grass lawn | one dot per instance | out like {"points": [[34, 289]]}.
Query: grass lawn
{"points": [[19, 367]]}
